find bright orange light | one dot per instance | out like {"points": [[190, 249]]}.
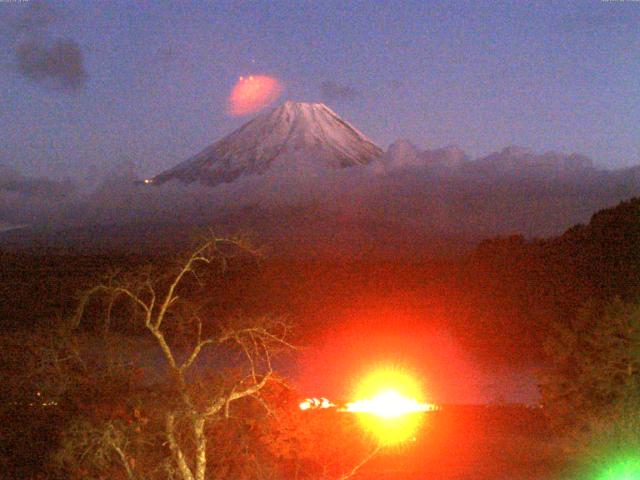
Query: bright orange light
{"points": [[390, 405], [253, 93], [315, 403], [387, 404]]}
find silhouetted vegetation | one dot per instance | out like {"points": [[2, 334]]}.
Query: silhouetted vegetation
{"points": [[78, 405], [150, 376], [588, 281]]}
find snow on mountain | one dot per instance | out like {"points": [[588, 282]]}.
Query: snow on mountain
{"points": [[403, 153], [301, 138], [291, 137]]}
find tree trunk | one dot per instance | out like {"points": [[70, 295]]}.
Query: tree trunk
{"points": [[201, 447], [178, 456]]}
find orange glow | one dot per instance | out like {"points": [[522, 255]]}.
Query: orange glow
{"points": [[314, 403], [379, 334], [390, 405], [253, 93], [387, 404]]}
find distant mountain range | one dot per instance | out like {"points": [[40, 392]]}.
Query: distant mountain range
{"points": [[303, 180], [298, 137]]}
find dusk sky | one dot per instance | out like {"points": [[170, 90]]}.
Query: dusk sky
{"points": [[88, 85]]}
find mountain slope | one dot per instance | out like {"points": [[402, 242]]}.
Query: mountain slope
{"points": [[293, 136]]}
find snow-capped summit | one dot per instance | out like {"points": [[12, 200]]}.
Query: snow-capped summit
{"points": [[288, 137]]}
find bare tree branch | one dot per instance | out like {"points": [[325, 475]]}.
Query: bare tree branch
{"points": [[156, 297], [364, 461]]}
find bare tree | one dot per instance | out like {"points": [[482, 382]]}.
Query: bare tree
{"points": [[171, 309], [200, 412]]}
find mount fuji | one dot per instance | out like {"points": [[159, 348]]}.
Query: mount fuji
{"points": [[300, 178], [292, 136]]}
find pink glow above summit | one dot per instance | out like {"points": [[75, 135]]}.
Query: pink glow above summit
{"points": [[253, 93]]}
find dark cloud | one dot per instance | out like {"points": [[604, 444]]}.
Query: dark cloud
{"points": [[334, 91], [58, 62], [396, 85], [61, 62], [166, 53], [37, 18], [8, 174]]}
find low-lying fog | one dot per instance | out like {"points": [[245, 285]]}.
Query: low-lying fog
{"points": [[353, 206]]}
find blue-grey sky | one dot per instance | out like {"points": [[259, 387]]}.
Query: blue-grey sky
{"points": [[87, 85]]}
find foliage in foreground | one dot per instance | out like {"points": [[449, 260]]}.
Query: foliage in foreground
{"points": [[595, 363], [607, 446], [591, 391]]}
